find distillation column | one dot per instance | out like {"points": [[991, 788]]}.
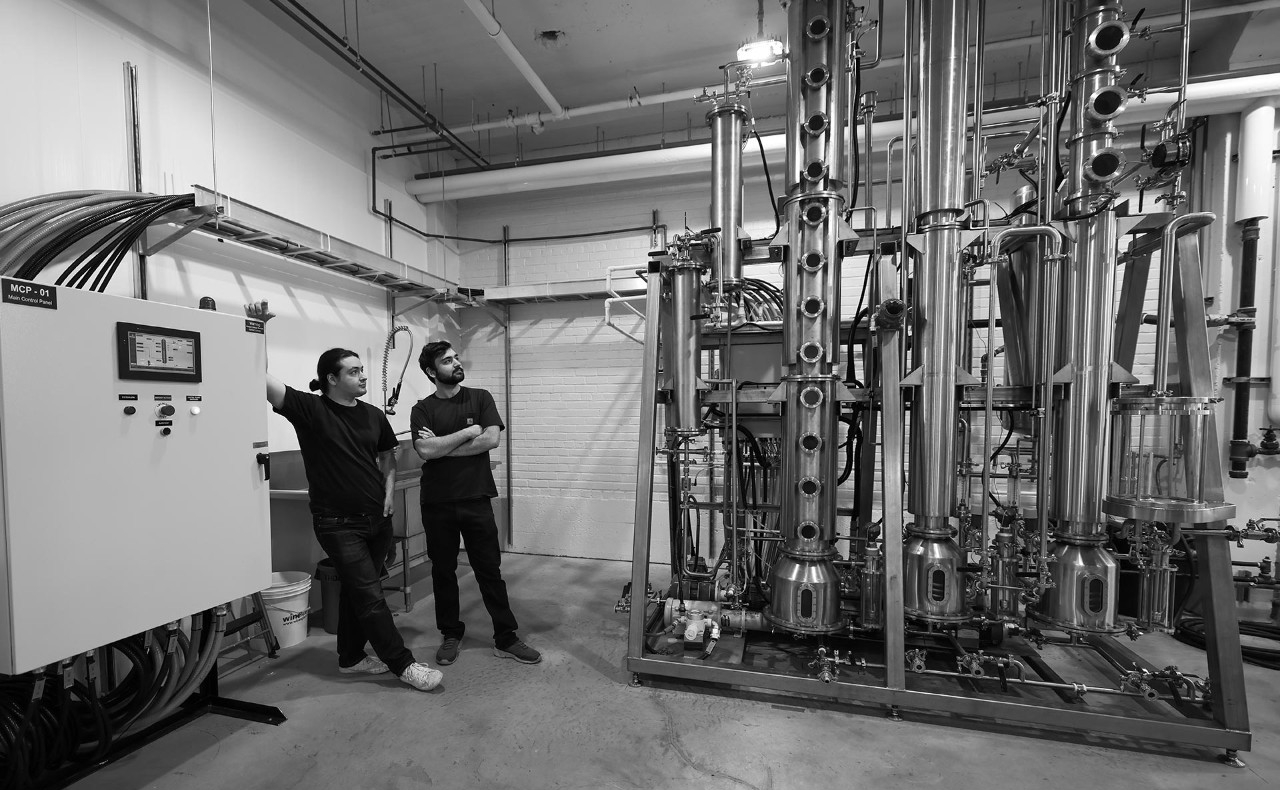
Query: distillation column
{"points": [[1084, 574], [932, 582], [805, 586]]}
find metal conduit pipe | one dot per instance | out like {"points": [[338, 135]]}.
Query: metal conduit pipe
{"points": [[587, 110], [494, 29], [339, 46], [1164, 310]]}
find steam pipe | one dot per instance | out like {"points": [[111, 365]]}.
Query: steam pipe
{"points": [[1232, 94], [339, 46], [1054, 240], [975, 162], [1168, 254], [494, 29]]}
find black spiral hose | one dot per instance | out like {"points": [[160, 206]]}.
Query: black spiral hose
{"points": [[1190, 631]]}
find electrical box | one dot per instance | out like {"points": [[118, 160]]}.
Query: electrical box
{"points": [[129, 440]]}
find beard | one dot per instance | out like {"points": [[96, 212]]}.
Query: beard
{"points": [[454, 376]]}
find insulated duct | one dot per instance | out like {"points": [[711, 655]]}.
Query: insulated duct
{"points": [[1206, 98]]}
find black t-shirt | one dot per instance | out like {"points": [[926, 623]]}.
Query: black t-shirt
{"points": [[340, 446], [456, 479]]}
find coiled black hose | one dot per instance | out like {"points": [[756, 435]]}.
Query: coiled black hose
{"points": [[1190, 631]]}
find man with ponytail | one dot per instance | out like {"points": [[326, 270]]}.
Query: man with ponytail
{"points": [[348, 451]]}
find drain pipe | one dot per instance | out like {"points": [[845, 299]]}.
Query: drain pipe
{"points": [[494, 29], [1241, 448], [1254, 198]]}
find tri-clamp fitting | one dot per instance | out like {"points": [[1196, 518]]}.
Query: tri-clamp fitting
{"points": [[828, 666]]}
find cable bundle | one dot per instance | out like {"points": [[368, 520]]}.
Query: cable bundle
{"points": [[1191, 631], [761, 301], [56, 722], [41, 230]]}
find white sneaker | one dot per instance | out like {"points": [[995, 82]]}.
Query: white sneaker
{"points": [[421, 677], [368, 665]]}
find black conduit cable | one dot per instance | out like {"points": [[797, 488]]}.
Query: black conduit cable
{"points": [[89, 263], [1059, 171], [1004, 442], [77, 230], [1106, 204], [1191, 631], [862, 300], [851, 430], [850, 372], [768, 180], [133, 233], [124, 237], [80, 269]]}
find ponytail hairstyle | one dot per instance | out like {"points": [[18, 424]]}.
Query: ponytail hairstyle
{"points": [[329, 362]]}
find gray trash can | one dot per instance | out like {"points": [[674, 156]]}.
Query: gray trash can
{"points": [[330, 590]]}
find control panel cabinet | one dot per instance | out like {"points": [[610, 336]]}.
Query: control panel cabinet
{"points": [[130, 434]]}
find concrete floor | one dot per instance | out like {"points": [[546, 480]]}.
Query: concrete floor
{"points": [[574, 722]]}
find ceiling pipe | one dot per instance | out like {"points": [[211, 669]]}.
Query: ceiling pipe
{"points": [[349, 55], [1157, 24], [494, 29], [1204, 98], [538, 119]]}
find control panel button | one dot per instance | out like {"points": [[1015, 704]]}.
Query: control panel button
{"points": [[195, 410], [165, 410], [166, 431], [130, 410]]}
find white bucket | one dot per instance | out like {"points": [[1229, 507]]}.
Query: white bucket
{"points": [[288, 606]]}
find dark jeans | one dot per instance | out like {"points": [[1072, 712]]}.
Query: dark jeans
{"points": [[358, 546], [469, 522]]}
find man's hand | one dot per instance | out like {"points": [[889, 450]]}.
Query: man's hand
{"points": [[389, 507], [472, 431], [425, 433], [259, 311]]}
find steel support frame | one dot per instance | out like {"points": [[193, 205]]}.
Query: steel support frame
{"points": [[1078, 722], [1229, 729]]}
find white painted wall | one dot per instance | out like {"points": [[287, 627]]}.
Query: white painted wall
{"points": [[292, 137]]}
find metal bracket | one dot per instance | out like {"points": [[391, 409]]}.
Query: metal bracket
{"points": [[188, 219]]}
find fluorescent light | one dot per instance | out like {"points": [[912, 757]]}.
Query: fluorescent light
{"points": [[760, 52]]}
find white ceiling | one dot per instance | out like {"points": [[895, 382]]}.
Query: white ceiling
{"points": [[437, 51]]}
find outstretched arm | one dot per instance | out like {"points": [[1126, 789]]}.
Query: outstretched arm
{"points": [[275, 388]]}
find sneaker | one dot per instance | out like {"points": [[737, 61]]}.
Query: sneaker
{"points": [[448, 652], [368, 665], [520, 652], [421, 677]]}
